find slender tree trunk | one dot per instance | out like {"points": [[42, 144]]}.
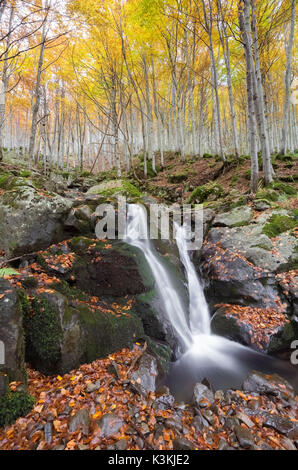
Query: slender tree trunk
{"points": [[37, 91], [244, 24], [288, 82]]}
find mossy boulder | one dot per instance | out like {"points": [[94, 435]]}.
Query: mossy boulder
{"points": [[111, 269], [11, 333], [278, 224], [115, 188], [62, 333], [31, 219], [210, 191], [236, 218]]}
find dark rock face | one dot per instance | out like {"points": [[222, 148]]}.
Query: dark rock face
{"points": [[233, 280], [115, 271], [239, 266], [11, 332], [282, 425]]}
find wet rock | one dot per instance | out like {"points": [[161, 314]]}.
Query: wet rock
{"points": [[146, 373], [223, 445], [119, 445], [165, 402], [237, 217], [11, 336], [93, 387], [110, 425], [174, 424], [282, 425], [81, 419], [48, 432], [202, 395], [245, 419], [228, 322], [268, 384], [181, 443], [231, 422], [244, 437], [209, 417]]}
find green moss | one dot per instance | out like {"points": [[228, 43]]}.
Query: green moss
{"points": [[3, 180], [70, 292], [247, 174], [207, 155], [285, 158], [268, 195], [177, 177], [284, 188], [13, 405], [25, 173], [278, 224], [42, 333], [202, 193], [106, 333]]}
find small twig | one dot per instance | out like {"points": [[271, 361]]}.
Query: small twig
{"points": [[17, 258]]}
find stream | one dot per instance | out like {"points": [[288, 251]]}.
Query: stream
{"points": [[202, 354]]}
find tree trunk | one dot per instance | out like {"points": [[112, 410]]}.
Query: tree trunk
{"points": [[288, 83]]}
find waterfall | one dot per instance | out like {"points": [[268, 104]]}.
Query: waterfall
{"points": [[199, 315], [137, 234], [204, 354]]}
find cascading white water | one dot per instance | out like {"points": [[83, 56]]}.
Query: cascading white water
{"points": [[137, 235], [199, 317]]}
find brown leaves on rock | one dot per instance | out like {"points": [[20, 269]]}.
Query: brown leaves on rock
{"points": [[263, 322]]}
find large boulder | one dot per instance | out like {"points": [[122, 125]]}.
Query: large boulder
{"points": [[112, 269], [31, 219], [264, 330], [235, 218], [11, 333], [116, 188], [63, 332], [233, 279]]}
